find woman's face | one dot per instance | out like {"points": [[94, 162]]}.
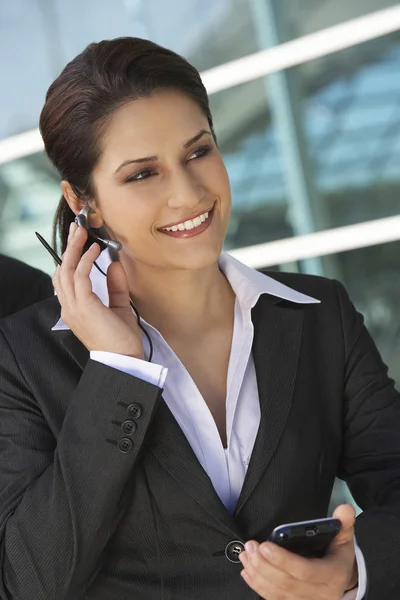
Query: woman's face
{"points": [[161, 186]]}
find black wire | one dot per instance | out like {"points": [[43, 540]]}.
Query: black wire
{"points": [[139, 321]]}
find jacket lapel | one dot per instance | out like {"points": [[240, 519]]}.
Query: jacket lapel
{"points": [[172, 449], [278, 329]]}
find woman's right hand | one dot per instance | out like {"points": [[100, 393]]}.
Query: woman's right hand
{"points": [[112, 329]]}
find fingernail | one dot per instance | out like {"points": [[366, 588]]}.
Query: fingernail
{"points": [[243, 558], [250, 547]]}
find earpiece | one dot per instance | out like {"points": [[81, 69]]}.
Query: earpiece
{"points": [[111, 244], [82, 221]]}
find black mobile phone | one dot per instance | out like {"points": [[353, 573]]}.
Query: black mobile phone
{"points": [[307, 538]]}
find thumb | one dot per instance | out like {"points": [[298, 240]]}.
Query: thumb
{"points": [[117, 284], [347, 517]]}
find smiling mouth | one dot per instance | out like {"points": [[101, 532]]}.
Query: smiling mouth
{"points": [[189, 224], [191, 227]]}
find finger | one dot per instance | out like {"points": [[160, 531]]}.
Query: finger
{"points": [[117, 284], [56, 284], [314, 570], [347, 517], [71, 231], [299, 567], [269, 581], [72, 228], [265, 588], [56, 276], [82, 281], [71, 258]]}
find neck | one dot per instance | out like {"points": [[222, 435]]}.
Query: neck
{"points": [[189, 301]]}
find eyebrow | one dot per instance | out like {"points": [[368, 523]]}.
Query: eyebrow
{"points": [[144, 159]]}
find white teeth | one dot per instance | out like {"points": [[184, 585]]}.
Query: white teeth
{"points": [[190, 224]]}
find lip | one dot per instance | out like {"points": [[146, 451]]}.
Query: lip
{"points": [[186, 219], [189, 233]]}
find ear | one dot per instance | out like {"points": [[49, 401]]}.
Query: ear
{"points": [[76, 203]]}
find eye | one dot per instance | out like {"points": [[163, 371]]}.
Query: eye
{"points": [[200, 152], [140, 175]]}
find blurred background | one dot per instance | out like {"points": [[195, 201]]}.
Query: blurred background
{"points": [[310, 131]]}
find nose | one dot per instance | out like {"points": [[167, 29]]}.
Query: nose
{"points": [[186, 191]]}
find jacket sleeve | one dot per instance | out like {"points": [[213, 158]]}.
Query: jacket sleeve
{"points": [[61, 499], [370, 461]]}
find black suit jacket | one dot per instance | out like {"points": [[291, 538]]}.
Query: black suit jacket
{"points": [[21, 285], [92, 507]]}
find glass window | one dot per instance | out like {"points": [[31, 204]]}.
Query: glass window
{"points": [[351, 123], [301, 17], [41, 36], [29, 194], [345, 107], [247, 140]]}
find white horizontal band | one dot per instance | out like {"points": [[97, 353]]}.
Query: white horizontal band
{"points": [[309, 47], [322, 243], [20, 145], [283, 56]]}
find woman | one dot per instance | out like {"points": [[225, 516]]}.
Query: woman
{"points": [[124, 478]]}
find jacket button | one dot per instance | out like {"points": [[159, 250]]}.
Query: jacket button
{"points": [[129, 427], [233, 550], [125, 445], [134, 410]]}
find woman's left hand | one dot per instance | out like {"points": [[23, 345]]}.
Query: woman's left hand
{"points": [[277, 574]]}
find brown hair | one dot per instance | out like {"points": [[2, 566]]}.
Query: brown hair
{"points": [[91, 87]]}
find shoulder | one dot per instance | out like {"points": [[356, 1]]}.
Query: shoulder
{"points": [[333, 318], [32, 322], [12, 268], [22, 285], [31, 353]]}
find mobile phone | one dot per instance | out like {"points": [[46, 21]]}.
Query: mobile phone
{"points": [[307, 538]]}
